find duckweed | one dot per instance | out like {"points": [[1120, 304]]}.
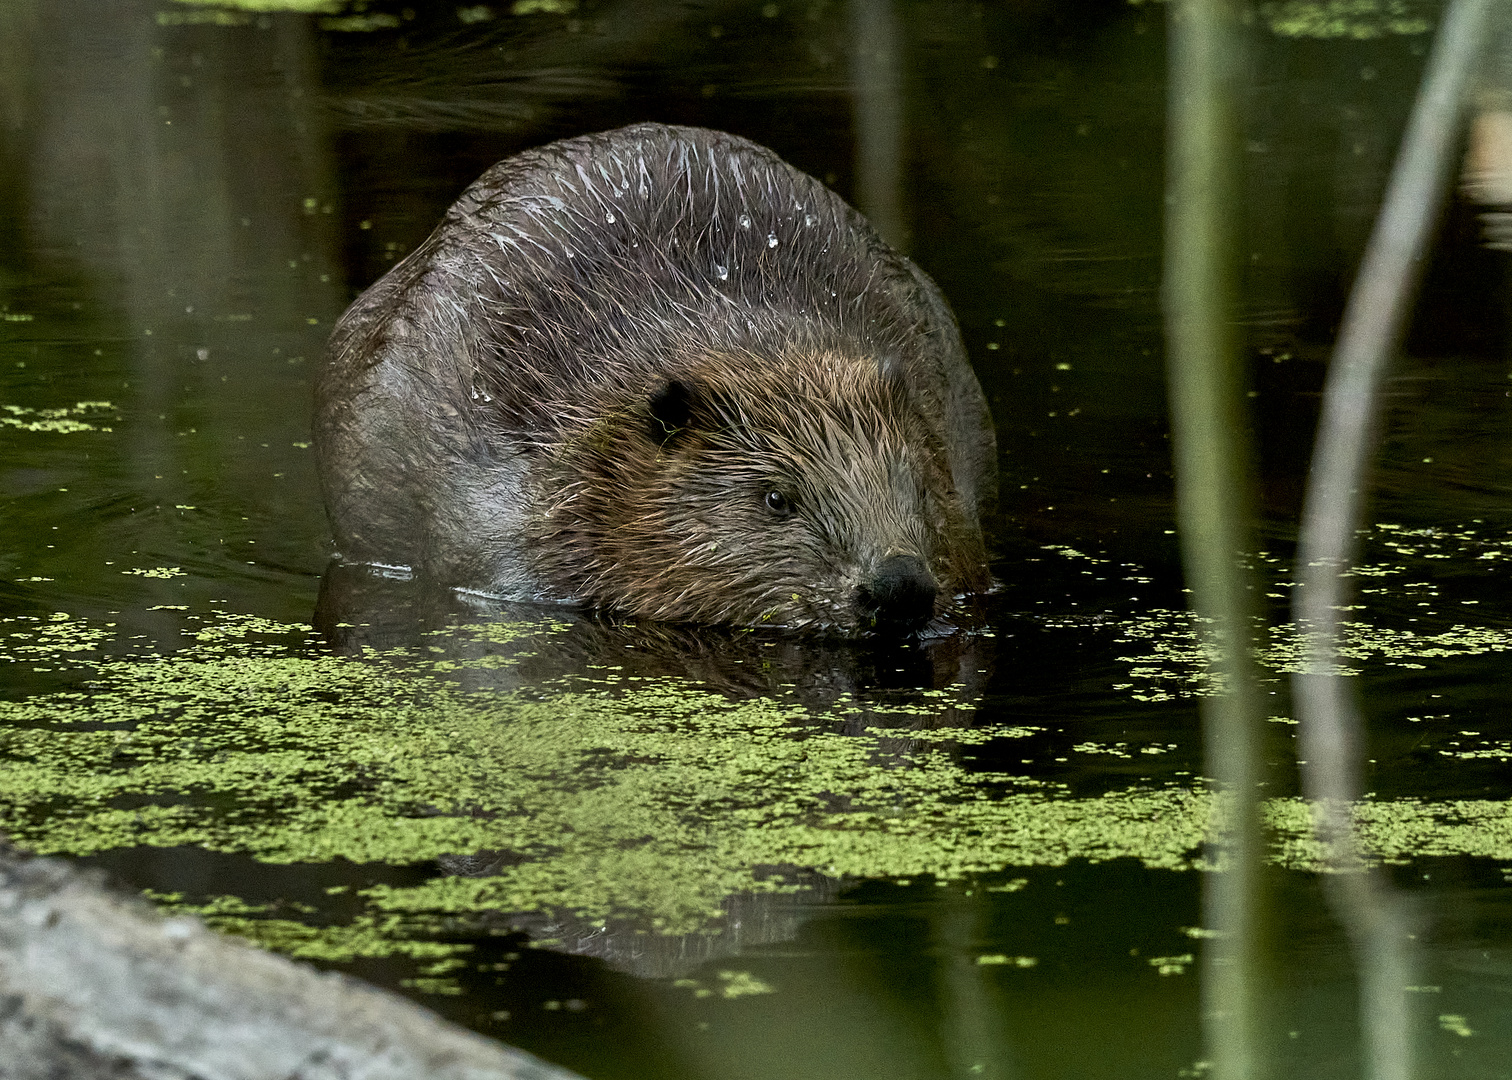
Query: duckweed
{"points": [[604, 797]]}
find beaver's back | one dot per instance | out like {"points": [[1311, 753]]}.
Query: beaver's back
{"points": [[572, 280]]}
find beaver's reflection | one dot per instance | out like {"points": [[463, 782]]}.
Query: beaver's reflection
{"points": [[747, 920], [843, 686], [361, 609]]}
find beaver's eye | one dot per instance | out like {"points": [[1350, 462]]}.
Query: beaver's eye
{"points": [[778, 503]]}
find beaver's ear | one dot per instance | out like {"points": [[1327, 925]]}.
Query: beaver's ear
{"points": [[672, 407]]}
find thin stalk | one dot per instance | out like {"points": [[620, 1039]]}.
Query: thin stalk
{"points": [[1330, 731], [1212, 459], [877, 94]]}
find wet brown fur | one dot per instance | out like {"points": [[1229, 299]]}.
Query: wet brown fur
{"points": [[677, 528], [486, 413]]}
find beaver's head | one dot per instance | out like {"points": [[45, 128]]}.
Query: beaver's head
{"points": [[808, 492]]}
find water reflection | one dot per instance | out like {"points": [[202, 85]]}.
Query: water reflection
{"points": [[845, 687], [362, 609], [175, 196]]}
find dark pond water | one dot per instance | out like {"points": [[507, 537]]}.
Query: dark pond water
{"points": [[655, 852]]}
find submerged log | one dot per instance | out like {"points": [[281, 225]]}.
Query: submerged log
{"points": [[95, 984]]}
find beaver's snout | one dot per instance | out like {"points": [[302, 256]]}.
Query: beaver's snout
{"points": [[900, 596]]}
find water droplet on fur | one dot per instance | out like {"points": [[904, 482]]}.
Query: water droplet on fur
{"points": [[771, 239], [745, 221], [609, 217], [810, 219], [722, 271]]}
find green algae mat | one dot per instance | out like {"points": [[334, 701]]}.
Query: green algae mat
{"points": [[615, 797], [603, 796]]}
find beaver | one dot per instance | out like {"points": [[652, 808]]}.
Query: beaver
{"points": [[660, 371]]}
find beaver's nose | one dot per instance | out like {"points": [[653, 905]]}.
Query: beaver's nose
{"points": [[900, 595]]}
